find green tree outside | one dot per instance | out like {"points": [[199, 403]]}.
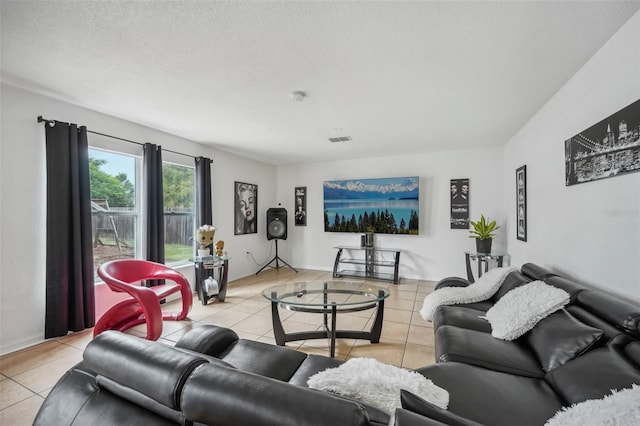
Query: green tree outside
{"points": [[117, 190], [177, 184]]}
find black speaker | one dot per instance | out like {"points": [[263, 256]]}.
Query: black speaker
{"points": [[276, 224]]}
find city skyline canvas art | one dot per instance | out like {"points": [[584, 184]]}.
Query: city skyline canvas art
{"points": [[609, 148]]}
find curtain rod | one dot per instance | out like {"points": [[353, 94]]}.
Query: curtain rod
{"points": [[45, 120]]}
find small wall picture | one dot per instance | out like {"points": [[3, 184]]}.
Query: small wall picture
{"points": [[521, 203], [246, 206], [459, 203], [301, 206]]}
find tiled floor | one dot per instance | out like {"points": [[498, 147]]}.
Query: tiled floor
{"points": [[407, 340]]}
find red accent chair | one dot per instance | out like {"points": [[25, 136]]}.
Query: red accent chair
{"points": [[126, 275]]}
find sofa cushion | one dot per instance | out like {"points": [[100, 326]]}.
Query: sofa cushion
{"points": [[620, 408], [616, 311], [76, 399], [454, 344], [632, 352], [494, 398], [483, 306], [569, 286], [462, 317], [522, 308], [418, 405], [536, 272], [311, 365], [67, 397], [483, 289], [587, 317], [409, 418], [316, 363], [513, 280], [376, 383], [208, 339], [154, 370], [105, 408], [595, 373], [560, 338], [266, 360], [225, 396]]}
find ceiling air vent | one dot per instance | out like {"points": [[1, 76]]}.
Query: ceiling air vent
{"points": [[340, 139]]}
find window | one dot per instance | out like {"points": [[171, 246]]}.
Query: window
{"points": [[114, 205], [116, 184], [178, 183]]}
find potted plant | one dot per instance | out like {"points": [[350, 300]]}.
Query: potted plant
{"points": [[483, 231]]}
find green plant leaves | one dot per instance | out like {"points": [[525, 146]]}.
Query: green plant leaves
{"points": [[483, 229]]}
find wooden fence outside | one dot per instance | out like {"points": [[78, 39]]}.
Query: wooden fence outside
{"points": [[179, 227]]}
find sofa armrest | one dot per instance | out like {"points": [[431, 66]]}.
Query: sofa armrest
{"points": [[66, 399], [409, 418], [452, 282], [536, 272], [216, 395], [208, 339], [427, 410]]}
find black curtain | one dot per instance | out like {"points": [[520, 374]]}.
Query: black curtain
{"points": [[153, 202], [70, 296], [204, 214]]}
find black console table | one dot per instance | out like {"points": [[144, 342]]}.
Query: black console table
{"points": [[482, 258], [371, 260], [215, 267]]}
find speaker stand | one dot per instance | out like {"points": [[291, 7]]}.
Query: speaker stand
{"points": [[277, 259]]}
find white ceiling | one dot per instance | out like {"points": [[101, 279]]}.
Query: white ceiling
{"points": [[397, 77]]}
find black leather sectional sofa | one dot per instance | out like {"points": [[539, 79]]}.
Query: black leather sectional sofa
{"points": [[576, 354], [213, 378]]}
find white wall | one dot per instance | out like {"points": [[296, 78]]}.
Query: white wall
{"points": [[23, 202], [438, 251], [590, 231]]}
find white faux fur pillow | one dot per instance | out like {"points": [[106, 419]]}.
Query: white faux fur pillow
{"points": [[486, 286], [522, 308], [377, 384], [619, 408]]}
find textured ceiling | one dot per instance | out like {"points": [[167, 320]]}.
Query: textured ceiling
{"points": [[397, 77]]}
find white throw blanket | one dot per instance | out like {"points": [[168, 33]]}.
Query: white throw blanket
{"points": [[377, 384], [620, 408], [484, 288]]}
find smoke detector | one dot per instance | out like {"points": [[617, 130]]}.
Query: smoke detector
{"points": [[297, 96], [340, 139]]}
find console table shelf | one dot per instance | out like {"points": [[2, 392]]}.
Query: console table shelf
{"points": [[372, 262]]}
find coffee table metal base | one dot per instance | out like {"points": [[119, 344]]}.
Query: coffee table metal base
{"points": [[329, 332]]}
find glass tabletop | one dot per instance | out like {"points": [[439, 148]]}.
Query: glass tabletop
{"points": [[323, 293], [492, 254], [367, 248], [209, 259]]}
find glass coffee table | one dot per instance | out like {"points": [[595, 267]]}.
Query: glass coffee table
{"points": [[328, 298]]}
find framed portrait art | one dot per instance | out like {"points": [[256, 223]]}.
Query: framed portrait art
{"points": [[246, 206], [460, 203], [521, 203], [300, 214]]}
